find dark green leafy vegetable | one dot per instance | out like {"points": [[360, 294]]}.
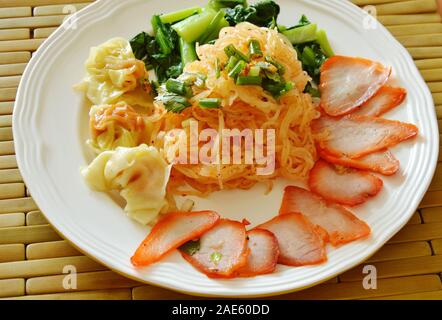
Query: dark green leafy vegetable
{"points": [[263, 14], [191, 247], [176, 16], [213, 27], [277, 89], [219, 4], [312, 58]]}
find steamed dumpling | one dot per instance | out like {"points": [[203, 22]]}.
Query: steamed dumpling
{"points": [[140, 174], [113, 73], [117, 125]]}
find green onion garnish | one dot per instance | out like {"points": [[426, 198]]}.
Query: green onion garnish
{"points": [[210, 103], [254, 71], [216, 257], [248, 80], [237, 69], [174, 103], [178, 87], [231, 50], [255, 48], [217, 68], [231, 63], [279, 66]]}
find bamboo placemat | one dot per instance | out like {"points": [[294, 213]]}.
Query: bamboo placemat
{"points": [[32, 255]]}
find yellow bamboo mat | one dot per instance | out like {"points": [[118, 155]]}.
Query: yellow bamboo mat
{"points": [[32, 255]]}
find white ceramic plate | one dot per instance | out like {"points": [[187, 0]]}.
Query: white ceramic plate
{"points": [[50, 128]]}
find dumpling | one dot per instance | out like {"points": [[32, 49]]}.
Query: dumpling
{"points": [[140, 174], [117, 125], [113, 72]]}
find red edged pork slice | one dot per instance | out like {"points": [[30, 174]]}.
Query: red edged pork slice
{"points": [[382, 162], [299, 243], [343, 185], [340, 224], [356, 136], [263, 253], [222, 250], [383, 101], [347, 82], [171, 232]]}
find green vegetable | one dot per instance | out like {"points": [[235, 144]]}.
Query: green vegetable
{"points": [[263, 14], [237, 69], [277, 89], [212, 28], [248, 80], [324, 43], [176, 16], [210, 103], [214, 35], [217, 68], [191, 247], [254, 71], [147, 49], [231, 63], [312, 58], [302, 34], [161, 35], [278, 66], [174, 103], [216, 257], [219, 4], [187, 52], [231, 51], [255, 48], [192, 28], [178, 87]]}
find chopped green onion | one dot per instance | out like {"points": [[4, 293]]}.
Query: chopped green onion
{"points": [[216, 257], [277, 89], [187, 51], [176, 16], [178, 87], [324, 43], [192, 28], [248, 80], [231, 63], [255, 48], [231, 50], [254, 71], [213, 26], [174, 103], [302, 34], [237, 69], [210, 103], [279, 66]]}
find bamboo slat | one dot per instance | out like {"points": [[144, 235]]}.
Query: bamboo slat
{"points": [[12, 287], [354, 290], [397, 268], [429, 64], [435, 86], [20, 45], [426, 40], [10, 176], [14, 57], [407, 7], [115, 294], [32, 22], [437, 97], [401, 251], [12, 190], [12, 69], [437, 246], [15, 34], [12, 81], [28, 234], [58, 9], [6, 148], [372, 2], [432, 295], [12, 252], [47, 250], [418, 232], [12, 220], [415, 29], [6, 120], [389, 20], [432, 199], [415, 219], [44, 267], [425, 52], [35, 218], [15, 12], [436, 183], [34, 3], [431, 215], [8, 162], [432, 75], [8, 94], [43, 32], [439, 115], [85, 281]]}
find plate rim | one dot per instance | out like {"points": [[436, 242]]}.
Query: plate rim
{"points": [[20, 109]]}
